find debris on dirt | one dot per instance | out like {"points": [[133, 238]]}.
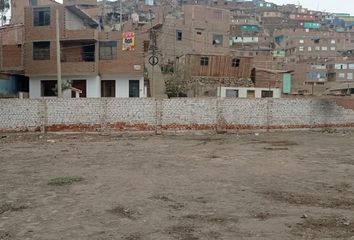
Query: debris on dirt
{"points": [[63, 181], [213, 235], [310, 200], [343, 132], [274, 143], [3, 137], [276, 148], [342, 187], [263, 215], [304, 216], [5, 235], [123, 212], [325, 227], [211, 218], [177, 206], [132, 236], [162, 198], [50, 141], [182, 232], [11, 207], [221, 131]]}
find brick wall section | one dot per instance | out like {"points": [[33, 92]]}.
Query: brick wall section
{"points": [[76, 114], [242, 113], [346, 103], [148, 114], [15, 56], [189, 113], [20, 115], [129, 113]]}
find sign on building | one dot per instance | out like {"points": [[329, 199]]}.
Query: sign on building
{"points": [[128, 41]]}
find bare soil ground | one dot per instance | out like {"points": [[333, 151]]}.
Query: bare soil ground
{"points": [[289, 185]]}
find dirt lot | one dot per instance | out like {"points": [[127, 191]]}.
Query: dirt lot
{"points": [[293, 185]]}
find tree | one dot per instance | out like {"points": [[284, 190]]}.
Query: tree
{"points": [[4, 7]]}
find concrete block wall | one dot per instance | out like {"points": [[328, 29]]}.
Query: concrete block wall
{"points": [[242, 113], [75, 114], [189, 113], [130, 113], [148, 114], [20, 115]]}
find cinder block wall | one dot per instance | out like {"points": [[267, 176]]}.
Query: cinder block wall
{"points": [[148, 114]]}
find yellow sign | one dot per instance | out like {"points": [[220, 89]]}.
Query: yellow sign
{"points": [[128, 41]]}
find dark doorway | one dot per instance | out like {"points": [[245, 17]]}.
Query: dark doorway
{"points": [[108, 88], [79, 84], [134, 88], [251, 94], [48, 88]]}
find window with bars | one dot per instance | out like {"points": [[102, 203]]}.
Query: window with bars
{"points": [[204, 61], [41, 16], [108, 50], [235, 62], [179, 35], [41, 51], [33, 3]]}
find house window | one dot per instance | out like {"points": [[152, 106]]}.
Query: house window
{"points": [[317, 41], [341, 75], [333, 48], [350, 76], [267, 94], [309, 49], [108, 50], [351, 66], [81, 85], [33, 3], [301, 48], [134, 88], [204, 61], [178, 35], [235, 62], [41, 16], [333, 41], [317, 48], [301, 41], [48, 88], [199, 33], [41, 51], [217, 39], [324, 48], [231, 93]]}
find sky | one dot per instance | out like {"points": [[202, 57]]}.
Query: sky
{"points": [[341, 6], [346, 6]]}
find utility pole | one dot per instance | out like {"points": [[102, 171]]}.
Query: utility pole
{"points": [[59, 83], [153, 60], [121, 15]]}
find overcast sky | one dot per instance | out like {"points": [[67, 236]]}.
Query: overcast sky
{"points": [[346, 6]]}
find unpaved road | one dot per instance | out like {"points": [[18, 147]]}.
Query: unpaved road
{"points": [[290, 185]]}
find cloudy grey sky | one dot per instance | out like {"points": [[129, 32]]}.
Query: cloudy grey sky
{"points": [[346, 6], [328, 5]]}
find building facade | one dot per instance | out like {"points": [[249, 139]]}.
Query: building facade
{"points": [[98, 63]]}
